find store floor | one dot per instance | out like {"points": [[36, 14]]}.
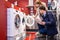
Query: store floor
{"points": [[44, 39], [32, 36]]}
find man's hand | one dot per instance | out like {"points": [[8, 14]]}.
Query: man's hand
{"points": [[41, 23]]}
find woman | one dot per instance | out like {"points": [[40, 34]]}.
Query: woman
{"points": [[37, 4]]}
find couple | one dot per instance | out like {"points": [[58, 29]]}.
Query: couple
{"points": [[48, 24]]}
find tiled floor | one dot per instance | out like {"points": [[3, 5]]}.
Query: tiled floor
{"points": [[11, 38], [46, 39], [38, 38]]}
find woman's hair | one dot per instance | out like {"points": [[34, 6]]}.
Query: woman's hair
{"points": [[38, 2]]}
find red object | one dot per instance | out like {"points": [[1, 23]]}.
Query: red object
{"points": [[7, 4], [15, 7], [31, 36], [3, 20]]}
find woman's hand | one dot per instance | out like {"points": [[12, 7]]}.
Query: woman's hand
{"points": [[40, 22]]}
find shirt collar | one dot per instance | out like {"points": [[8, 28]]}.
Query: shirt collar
{"points": [[44, 14]]}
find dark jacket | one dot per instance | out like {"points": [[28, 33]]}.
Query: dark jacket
{"points": [[50, 27]]}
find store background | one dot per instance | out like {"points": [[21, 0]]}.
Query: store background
{"points": [[3, 15]]}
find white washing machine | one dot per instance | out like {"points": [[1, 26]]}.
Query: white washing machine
{"points": [[23, 26], [58, 18], [30, 21], [14, 24]]}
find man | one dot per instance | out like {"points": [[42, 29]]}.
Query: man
{"points": [[48, 25]]}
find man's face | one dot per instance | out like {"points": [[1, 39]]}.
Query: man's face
{"points": [[42, 12]]}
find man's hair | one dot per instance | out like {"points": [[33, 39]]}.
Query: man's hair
{"points": [[42, 8]]}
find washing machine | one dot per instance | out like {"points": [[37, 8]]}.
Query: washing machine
{"points": [[23, 26], [30, 21], [15, 28], [58, 18]]}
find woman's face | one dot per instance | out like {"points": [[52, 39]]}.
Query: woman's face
{"points": [[37, 5]]}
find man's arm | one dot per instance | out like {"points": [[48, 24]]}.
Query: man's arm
{"points": [[50, 22], [51, 19]]}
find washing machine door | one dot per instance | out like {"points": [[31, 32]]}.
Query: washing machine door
{"points": [[54, 4], [29, 21], [17, 21]]}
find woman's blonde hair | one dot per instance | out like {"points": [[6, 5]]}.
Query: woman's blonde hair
{"points": [[40, 3]]}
